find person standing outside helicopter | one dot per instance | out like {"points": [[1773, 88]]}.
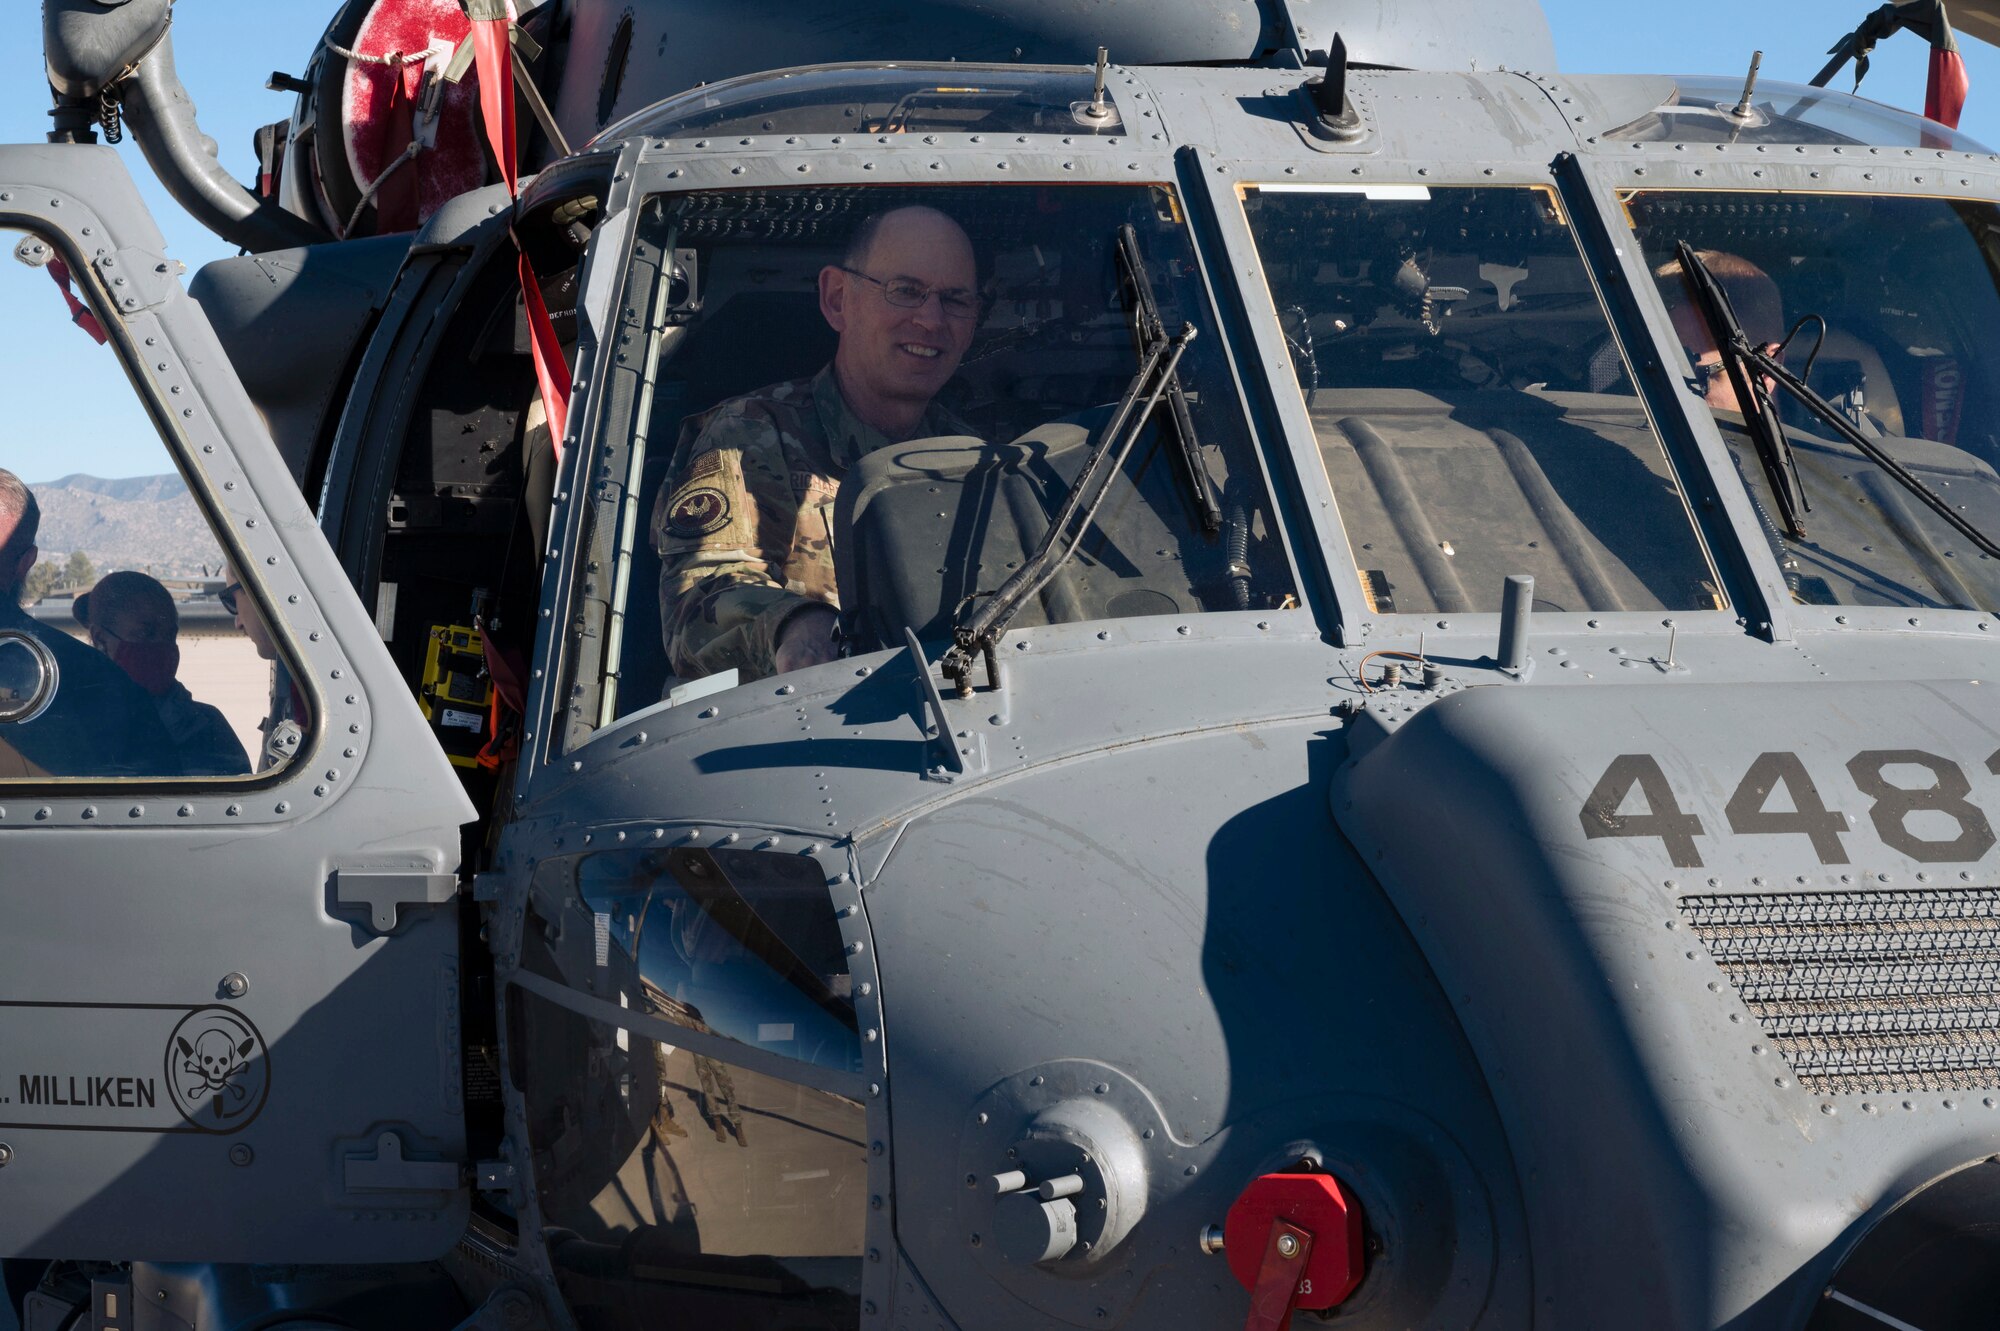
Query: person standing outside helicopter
{"points": [[131, 618], [99, 723], [744, 527]]}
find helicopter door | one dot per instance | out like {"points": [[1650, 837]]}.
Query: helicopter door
{"points": [[229, 846]]}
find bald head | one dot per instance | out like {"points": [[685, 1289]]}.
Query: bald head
{"points": [[20, 520], [916, 224]]}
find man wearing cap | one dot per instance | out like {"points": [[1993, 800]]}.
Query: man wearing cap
{"points": [[131, 619], [100, 723]]}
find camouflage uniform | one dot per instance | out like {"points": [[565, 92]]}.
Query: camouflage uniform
{"points": [[745, 529]]}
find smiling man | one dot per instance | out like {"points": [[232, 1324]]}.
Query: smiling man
{"points": [[745, 527]]}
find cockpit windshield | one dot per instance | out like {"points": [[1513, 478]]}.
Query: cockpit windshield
{"points": [[838, 414], [1472, 407], [1898, 325]]}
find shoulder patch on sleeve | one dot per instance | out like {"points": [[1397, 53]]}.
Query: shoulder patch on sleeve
{"points": [[698, 510]]}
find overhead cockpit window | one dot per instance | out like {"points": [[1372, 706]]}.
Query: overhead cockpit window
{"points": [[1704, 110], [130, 646], [1473, 409], [850, 413], [884, 99], [1887, 309]]}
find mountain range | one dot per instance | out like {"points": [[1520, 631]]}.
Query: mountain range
{"points": [[142, 522]]}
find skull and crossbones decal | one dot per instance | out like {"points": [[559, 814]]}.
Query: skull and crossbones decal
{"points": [[218, 1069], [214, 1063]]}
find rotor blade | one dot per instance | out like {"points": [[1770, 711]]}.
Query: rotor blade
{"points": [[1977, 18]]}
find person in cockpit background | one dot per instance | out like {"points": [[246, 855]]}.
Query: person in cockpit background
{"points": [[1754, 298]]}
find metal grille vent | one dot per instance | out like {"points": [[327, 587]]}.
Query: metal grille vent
{"points": [[1867, 991]]}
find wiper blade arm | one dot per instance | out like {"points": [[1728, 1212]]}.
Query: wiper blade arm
{"points": [[1146, 309], [978, 632], [1760, 418], [1837, 421], [1750, 365]]}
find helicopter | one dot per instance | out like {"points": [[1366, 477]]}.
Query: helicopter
{"points": [[1424, 757]]}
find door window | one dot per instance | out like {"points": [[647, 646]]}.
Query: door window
{"points": [[131, 647]]}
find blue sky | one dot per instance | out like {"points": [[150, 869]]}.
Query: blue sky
{"points": [[73, 412]]}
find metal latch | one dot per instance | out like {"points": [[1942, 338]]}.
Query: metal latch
{"points": [[388, 1171], [383, 890]]}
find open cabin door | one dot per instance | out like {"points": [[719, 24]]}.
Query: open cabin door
{"points": [[229, 973]]}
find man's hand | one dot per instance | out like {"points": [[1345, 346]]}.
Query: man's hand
{"points": [[806, 640]]}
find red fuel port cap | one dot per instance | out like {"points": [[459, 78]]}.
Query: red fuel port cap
{"points": [[1294, 1241]]}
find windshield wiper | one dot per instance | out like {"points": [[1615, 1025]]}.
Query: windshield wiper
{"points": [[1146, 314], [1837, 421], [1760, 418], [1748, 361], [976, 633]]}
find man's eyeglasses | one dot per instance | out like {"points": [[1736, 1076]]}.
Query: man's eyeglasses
{"points": [[228, 596], [905, 294]]}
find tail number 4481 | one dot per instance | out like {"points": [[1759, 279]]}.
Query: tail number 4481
{"points": [[1919, 803]]}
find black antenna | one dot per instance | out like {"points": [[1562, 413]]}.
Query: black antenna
{"points": [[1328, 94]]}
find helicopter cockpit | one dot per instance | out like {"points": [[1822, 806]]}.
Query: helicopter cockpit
{"points": [[1349, 765], [724, 303]]}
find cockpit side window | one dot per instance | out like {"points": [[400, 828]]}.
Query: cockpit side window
{"points": [[855, 411], [1473, 410], [130, 647], [697, 1158], [1887, 308]]}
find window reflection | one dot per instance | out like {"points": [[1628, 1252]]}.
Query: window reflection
{"points": [[680, 1190], [741, 943], [914, 99], [163, 663], [1702, 110]]}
